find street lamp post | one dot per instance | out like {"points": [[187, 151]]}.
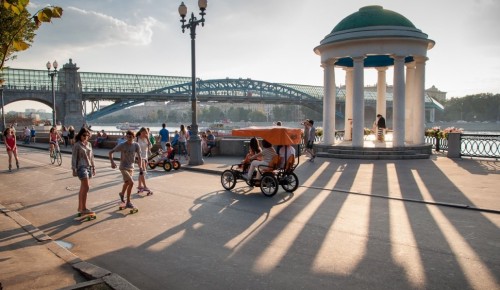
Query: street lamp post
{"points": [[195, 156], [3, 108], [52, 74]]}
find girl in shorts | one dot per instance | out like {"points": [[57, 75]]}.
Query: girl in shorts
{"points": [[82, 163]]}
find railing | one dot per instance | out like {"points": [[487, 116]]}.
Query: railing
{"points": [[476, 145], [438, 144]]}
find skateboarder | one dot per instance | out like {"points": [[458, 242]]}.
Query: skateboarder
{"points": [[129, 150]]}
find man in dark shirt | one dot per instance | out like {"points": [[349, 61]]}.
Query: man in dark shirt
{"points": [[380, 128]]}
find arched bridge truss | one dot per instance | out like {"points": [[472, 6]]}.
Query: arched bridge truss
{"points": [[217, 90]]}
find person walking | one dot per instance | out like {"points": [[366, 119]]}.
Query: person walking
{"points": [[33, 135], [311, 135], [380, 122], [26, 135], [183, 137], [71, 135], [65, 136], [129, 150], [143, 140], [9, 139], [82, 164], [164, 137]]}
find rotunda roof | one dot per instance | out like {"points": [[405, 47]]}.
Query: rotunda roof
{"points": [[372, 16]]}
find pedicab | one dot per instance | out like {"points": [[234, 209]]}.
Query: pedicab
{"points": [[272, 176]]}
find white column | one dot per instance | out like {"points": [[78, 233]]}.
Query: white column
{"points": [[330, 92], [398, 102], [381, 91], [419, 101], [349, 83], [432, 117], [358, 111], [410, 96]]}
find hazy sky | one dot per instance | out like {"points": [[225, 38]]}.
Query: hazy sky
{"points": [[268, 40]]}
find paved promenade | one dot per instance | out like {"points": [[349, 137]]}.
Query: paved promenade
{"points": [[426, 224]]}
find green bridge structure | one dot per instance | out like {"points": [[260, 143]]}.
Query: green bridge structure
{"points": [[74, 90]]}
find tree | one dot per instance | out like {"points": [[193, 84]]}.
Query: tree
{"points": [[257, 116], [18, 26]]}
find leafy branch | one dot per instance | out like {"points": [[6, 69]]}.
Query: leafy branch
{"points": [[15, 36]]}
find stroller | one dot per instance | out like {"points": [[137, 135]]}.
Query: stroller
{"points": [[169, 162]]}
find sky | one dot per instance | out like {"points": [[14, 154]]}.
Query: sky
{"points": [[267, 40]]}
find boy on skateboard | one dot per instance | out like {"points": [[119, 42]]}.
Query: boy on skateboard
{"points": [[129, 150]]}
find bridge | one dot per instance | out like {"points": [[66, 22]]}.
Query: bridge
{"points": [[75, 89]]}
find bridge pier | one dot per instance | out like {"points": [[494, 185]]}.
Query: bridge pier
{"points": [[71, 101]]}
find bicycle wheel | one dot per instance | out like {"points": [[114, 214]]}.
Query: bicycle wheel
{"points": [[268, 184], [289, 182], [58, 157], [52, 157], [228, 179]]}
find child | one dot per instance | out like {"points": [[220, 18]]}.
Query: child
{"points": [[129, 150], [170, 153]]}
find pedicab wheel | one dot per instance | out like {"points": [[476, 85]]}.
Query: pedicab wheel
{"points": [[152, 164], [289, 182], [167, 166], [176, 164], [269, 184], [228, 179], [59, 158]]}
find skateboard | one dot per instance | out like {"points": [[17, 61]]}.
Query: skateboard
{"points": [[147, 191], [123, 206], [86, 217]]}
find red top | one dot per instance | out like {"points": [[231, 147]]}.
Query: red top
{"points": [[11, 141]]}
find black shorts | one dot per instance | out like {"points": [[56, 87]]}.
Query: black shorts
{"points": [[309, 145]]}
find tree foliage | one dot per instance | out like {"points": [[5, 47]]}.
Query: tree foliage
{"points": [[480, 107], [18, 26]]}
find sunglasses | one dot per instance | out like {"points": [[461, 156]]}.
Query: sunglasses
{"points": [[131, 136], [86, 135]]}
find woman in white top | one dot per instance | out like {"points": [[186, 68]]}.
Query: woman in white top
{"points": [[183, 136], [267, 155], [145, 145]]}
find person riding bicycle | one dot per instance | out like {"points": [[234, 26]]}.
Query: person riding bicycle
{"points": [[54, 139]]}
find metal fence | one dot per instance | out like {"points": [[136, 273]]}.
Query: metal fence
{"points": [[438, 144], [475, 145]]}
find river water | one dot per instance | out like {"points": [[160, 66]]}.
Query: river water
{"points": [[469, 127]]}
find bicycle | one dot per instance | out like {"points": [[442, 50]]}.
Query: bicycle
{"points": [[56, 155]]}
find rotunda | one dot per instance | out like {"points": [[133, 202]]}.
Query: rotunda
{"points": [[376, 38]]}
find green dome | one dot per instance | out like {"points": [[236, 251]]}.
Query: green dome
{"points": [[372, 16]]}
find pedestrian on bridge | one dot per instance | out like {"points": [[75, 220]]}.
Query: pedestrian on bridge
{"points": [[82, 164]]}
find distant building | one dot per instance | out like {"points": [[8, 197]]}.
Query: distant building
{"points": [[436, 94]]}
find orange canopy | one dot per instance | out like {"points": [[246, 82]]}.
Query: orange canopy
{"points": [[275, 135]]}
